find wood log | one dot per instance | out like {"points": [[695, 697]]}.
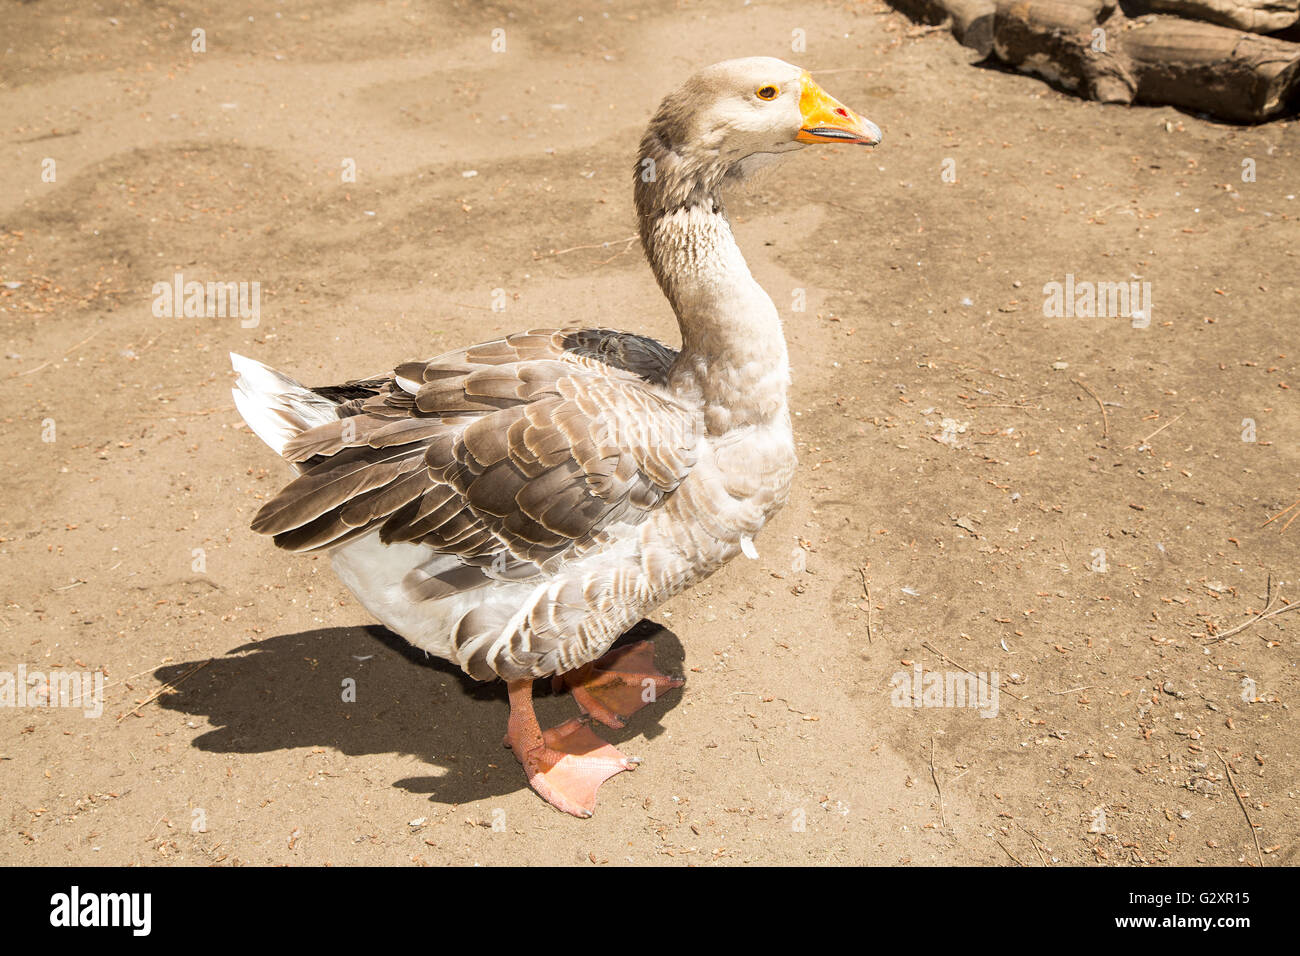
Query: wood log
{"points": [[928, 12], [1257, 16], [971, 21], [1199, 66], [1055, 39], [1091, 48], [1238, 76]]}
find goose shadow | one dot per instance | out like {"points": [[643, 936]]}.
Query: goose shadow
{"points": [[288, 691]]}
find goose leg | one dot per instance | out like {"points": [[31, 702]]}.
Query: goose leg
{"points": [[565, 764], [614, 687]]}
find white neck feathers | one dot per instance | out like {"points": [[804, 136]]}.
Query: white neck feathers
{"points": [[733, 360]]}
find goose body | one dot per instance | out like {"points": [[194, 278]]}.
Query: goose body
{"points": [[569, 495], [515, 506]]}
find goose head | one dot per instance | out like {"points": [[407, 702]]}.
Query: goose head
{"points": [[731, 118]]}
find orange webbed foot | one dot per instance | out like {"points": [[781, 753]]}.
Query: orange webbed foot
{"points": [[614, 687], [566, 764], [569, 770]]}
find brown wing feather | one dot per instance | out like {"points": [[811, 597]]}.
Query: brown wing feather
{"points": [[510, 453]]}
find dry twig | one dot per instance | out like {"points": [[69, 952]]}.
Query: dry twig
{"points": [[594, 245], [1281, 513], [960, 668], [1105, 419], [1009, 853], [64, 355], [1138, 444], [866, 593], [1253, 833], [943, 816], [158, 693], [1263, 615]]}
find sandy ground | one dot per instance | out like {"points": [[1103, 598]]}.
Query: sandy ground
{"points": [[1084, 524]]}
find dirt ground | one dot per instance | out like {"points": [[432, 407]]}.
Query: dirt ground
{"points": [[1065, 502]]}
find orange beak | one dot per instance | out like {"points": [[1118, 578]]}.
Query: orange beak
{"points": [[827, 120]]}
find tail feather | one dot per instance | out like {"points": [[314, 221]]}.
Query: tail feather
{"points": [[276, 407]]}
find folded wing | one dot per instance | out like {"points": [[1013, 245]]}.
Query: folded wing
{"points": [[513, 456]]}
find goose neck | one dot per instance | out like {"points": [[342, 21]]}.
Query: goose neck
{"points": [[733, 361]]}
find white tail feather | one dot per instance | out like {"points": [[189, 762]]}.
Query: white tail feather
{"points": [[276, 407]]}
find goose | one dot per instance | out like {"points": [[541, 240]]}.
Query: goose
{"points": [[514, 507]]}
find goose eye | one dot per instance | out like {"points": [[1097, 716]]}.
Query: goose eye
{"points": [[767, 93]]}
